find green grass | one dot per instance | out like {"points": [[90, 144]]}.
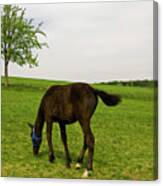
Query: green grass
{"points": [[124, 147]]}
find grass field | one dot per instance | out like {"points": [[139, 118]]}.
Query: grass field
{"points": [[124, 147]]}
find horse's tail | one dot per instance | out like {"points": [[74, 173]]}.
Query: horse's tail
{"points": [[108, 99]]}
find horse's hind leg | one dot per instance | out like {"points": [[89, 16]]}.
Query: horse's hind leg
{"points": [[64, 140], [81, 155], [89, 139], [90, 144], [49, 139]]}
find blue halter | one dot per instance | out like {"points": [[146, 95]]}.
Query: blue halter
{"points": [[35, 139]]}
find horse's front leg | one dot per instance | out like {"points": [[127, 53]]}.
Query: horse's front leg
{"points": [[49, 139], [64, 140]]}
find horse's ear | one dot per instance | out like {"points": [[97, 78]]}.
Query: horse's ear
{"points": [[30, 125]]}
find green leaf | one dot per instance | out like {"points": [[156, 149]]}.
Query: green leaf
{"points": [[19, 41]]}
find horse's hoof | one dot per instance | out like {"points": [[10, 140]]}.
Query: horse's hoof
{"points": [[78, 166], [70, 160], [68, 165], [51, 158], [87, 173]]}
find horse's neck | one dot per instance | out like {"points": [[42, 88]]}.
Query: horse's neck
{"points": [[38, 129], [39, 124]]}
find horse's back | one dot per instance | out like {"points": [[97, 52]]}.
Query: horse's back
{"points": [[70, 102], [84, 100]]}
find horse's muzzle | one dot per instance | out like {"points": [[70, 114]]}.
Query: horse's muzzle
{"points": [[35, 150]]}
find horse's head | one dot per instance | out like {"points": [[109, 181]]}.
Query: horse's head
{"points": [[36, 140]]}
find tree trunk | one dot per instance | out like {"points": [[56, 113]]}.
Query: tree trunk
{"points": [[6, 74]]}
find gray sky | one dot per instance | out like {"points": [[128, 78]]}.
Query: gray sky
{"points": [[93, 41]]}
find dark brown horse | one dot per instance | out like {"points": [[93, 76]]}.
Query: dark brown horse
{"points": [[67, 104]]}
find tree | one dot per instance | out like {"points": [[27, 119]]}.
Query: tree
{"points": [[19, 38]]}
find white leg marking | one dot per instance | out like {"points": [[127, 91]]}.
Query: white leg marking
{"points": [[87, 173], [78, 166]]}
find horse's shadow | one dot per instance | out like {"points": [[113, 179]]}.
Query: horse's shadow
{"points": [[58, 154]]}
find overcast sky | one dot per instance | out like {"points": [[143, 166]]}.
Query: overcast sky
{"points": [[93, 41]]}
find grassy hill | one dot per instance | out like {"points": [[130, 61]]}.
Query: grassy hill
{"points": [[125, 134]]}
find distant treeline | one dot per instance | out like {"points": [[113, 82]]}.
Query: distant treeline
{"points": [[140, 83]]}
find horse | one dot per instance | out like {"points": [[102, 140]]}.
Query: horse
{"points": [[66, 104]]}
